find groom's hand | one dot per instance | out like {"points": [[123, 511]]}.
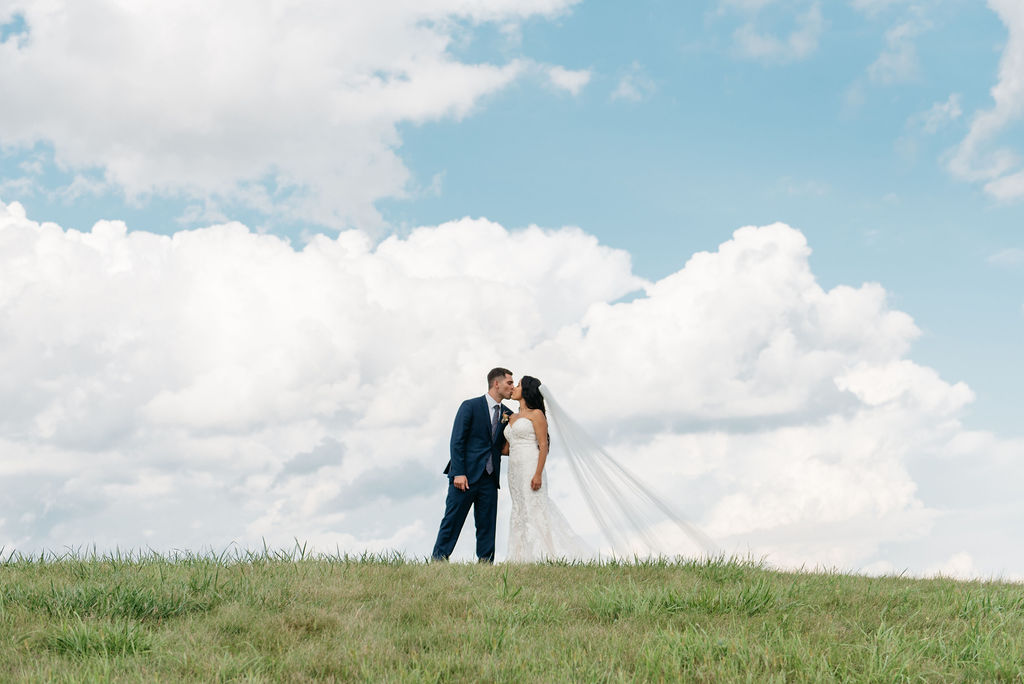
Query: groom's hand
{"points": [[461, 482]]}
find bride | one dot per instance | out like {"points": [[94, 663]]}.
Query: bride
{"points": [[537, 530], [633, 519]]}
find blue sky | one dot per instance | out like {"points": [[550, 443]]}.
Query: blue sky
{"points": [[717, 139], [723, 141], [860, 124]]}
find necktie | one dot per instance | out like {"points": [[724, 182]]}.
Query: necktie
{"points": [[495, 421]]}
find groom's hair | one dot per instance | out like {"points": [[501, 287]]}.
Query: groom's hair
{"points": [[496, 373]]}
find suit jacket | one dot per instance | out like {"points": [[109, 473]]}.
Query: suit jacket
{"points": [[472, 441]]}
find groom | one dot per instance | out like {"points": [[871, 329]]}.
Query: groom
{"points": [[477, 441]]}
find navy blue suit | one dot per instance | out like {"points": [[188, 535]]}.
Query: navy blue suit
{"points": [[473, 441]]}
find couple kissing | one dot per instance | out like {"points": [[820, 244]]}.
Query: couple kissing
{"points": [[484, 430]]}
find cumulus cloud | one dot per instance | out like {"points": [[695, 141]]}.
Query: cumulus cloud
{"points": [[288, 110], [980, 157], [219, 385], [958, 566], [569, 80]]}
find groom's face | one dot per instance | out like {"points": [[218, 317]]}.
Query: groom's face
{"points": [[505, 386]]}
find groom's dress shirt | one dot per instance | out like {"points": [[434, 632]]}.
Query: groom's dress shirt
{"points": [[490, 408]]}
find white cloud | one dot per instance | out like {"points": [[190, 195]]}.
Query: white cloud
{"points": [[898, 62], [958, 566], [940, 114], [1008, 257], [569, 80], [874, 7], [242, 102], [814, 188], [33, 167], [979, 157], [1007, 188], [217, 385], [217, 357], [800, 43], [745, 5], [634, 85], [21, 186]]}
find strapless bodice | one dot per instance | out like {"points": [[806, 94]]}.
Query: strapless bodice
{"points": [[520, 434]]}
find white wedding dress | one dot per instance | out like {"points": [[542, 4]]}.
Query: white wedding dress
{"points": [[538, 531]]}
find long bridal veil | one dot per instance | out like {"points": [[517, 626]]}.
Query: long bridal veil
{"points": [[634, 520]]}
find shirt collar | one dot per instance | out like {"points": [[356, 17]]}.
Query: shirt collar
{"points": [[491, 403]]}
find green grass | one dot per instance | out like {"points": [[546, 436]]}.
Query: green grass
{"points": [[291, 617]]}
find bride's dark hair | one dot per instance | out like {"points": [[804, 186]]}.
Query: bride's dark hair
{"points": [[531, 393]]}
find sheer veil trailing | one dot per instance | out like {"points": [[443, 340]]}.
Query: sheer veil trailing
{"points": [[633, 519]]}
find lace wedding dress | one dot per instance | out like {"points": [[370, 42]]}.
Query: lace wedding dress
{"points": [[538, 530]]}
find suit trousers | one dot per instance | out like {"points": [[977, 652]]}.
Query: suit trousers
{"points": [[482, 497]]}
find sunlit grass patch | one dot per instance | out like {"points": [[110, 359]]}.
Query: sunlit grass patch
{"points": [[77, 637], [294, 615]]}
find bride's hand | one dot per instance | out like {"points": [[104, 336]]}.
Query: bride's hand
{"points": [[535, 483]]}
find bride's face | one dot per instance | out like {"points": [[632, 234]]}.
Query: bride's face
{"points": [[517, 392]]}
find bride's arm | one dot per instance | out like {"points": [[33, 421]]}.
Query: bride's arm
{"points": [[540, 427]]}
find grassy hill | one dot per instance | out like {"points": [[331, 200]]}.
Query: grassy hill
{"points": [[273, 617]]}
